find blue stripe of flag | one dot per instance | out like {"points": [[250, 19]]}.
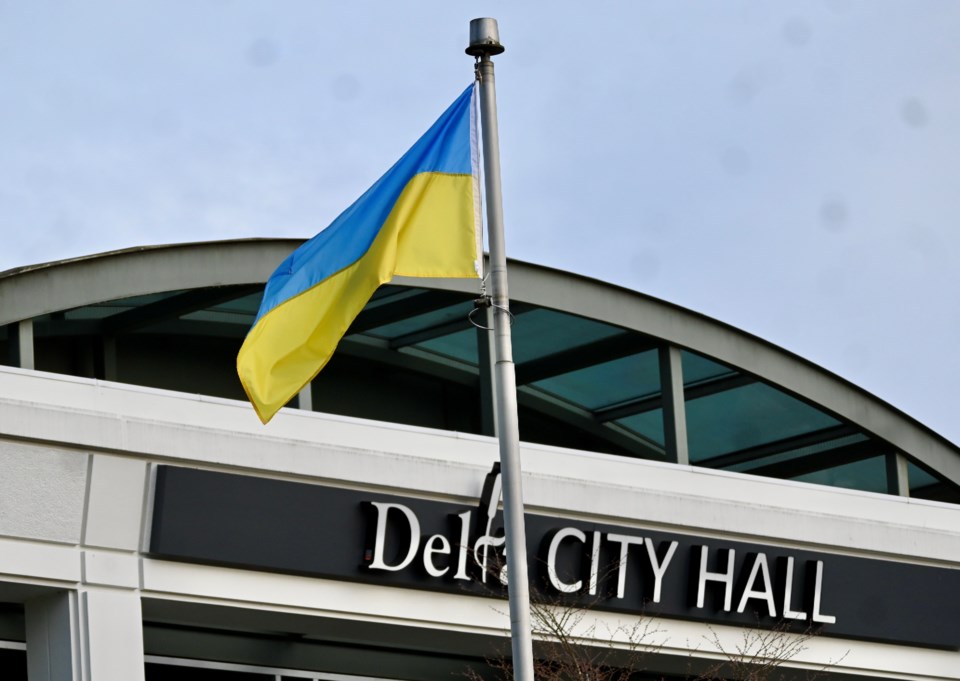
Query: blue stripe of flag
{"points": [[444, 148]]}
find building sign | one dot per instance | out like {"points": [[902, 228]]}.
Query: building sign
{"points": [[603, 566], [263, 524]]}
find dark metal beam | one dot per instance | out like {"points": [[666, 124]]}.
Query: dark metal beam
{"points": [[632, 407], [404, 308], [53, 328], [583, 356], [783, 445], [447, 328], [173, 307], [937, 491], [717, 385], [431, 332], [812, 463], [187, 328], [647, 403]]}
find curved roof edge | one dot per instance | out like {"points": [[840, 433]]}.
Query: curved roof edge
{"points": [[29, 291]]}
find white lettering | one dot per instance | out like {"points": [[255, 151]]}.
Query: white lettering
{"points": [[431, 548], [725, 578], [759, 568], [383, 511], [657, 566], [485, 543], [625, 541], [464, 548], [504, 573], [594, 563], [817, 591], [562, 587], [788, 611]]}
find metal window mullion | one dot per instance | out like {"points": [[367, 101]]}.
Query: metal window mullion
{"points": [[674, 410], [898, 479], [25, 344], [305, 397]]}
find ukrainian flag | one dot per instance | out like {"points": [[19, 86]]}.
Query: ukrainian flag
{"points": [[421, 219]]}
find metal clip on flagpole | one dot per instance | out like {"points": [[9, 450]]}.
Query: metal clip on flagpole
{"points": [[484, 43]]}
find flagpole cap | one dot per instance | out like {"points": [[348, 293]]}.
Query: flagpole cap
{"points": [[484, 38]]}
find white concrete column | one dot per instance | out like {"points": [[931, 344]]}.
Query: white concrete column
{"points": [[95, 633], [115, 502], [114, 635]]}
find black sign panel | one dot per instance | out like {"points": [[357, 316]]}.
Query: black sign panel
{"points": [[274, 525]]}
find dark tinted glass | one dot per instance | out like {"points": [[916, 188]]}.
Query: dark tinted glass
{"points": [[13, 665], [167, 672]]}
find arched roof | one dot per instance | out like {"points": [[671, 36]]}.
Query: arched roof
{"points": [[627, 323]]}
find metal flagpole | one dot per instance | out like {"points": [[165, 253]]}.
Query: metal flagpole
{"points": [[485, 42]]}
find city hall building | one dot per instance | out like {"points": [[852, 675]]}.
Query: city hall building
{"points": [[691, 490]]}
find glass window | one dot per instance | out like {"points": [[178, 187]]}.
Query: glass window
{"points": [[608, 383], [8, 345], [926, 485], [13, 664], [869, 475], [237, 311], [697, 369], [747, 416], [738, 423], [460, 345], [648, 424], [919, 478], [793, 460], [541, 332], [582, 383], [108, 308], [421, 322]]}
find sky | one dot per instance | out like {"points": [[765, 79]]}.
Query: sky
{"points": [[790, 168]]}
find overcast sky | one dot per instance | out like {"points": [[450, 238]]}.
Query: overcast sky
{"points": [[791, 168]]}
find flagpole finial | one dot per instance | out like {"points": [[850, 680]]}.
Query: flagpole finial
{"points": [[484, 38]]}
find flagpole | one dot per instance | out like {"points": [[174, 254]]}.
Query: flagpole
{"points": [[485, 42]]}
